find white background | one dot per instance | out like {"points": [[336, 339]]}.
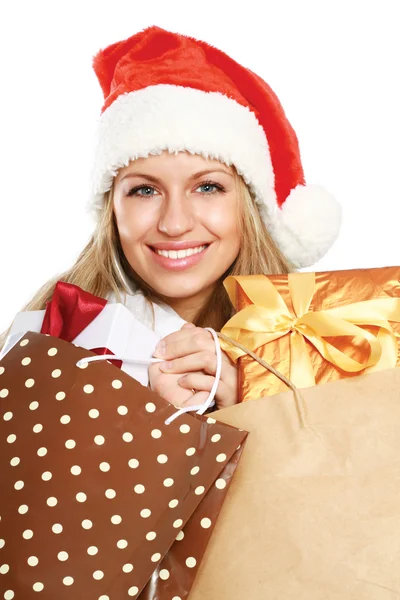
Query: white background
{"points": [[334, 64]]}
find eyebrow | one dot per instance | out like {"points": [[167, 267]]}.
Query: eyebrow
{"points": [[195, 176]]}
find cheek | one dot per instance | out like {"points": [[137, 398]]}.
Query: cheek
{"points": [[224, 224], [132, 222]]}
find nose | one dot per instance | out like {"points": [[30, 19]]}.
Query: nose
{"points": [[176, 215]]}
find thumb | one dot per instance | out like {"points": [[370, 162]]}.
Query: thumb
{"points": [[188, 326]]}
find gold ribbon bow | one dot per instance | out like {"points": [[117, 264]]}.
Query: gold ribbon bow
{"points": [[268, 319]]}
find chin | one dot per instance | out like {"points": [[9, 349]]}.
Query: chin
{"points": [[177, 292]]}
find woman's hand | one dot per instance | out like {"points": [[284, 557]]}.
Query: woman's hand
{"points": [[190, 364]]}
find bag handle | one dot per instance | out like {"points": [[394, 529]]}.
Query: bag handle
{"points": [[299, 400]]}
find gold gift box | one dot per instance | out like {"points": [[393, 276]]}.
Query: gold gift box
{"points": [[313, 327]]}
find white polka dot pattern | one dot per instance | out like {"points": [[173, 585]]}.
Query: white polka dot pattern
{"points": [[116, 519], [156, 557], [164, 574], [206, 523], [133, 591], [99, 464]]}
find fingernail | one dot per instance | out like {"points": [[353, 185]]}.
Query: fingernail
{"points": [[166, 366], [160, 349], [182, 379]]}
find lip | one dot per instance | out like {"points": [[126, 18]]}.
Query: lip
{"points": [[178, 264], [183, 245]]}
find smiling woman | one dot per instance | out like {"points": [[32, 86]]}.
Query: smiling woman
{"points": [[197, 176]]}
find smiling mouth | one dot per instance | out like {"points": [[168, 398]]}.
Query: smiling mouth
{"points": [[176, 254]]}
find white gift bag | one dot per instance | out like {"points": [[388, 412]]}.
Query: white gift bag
{"points": [[114, 328]]}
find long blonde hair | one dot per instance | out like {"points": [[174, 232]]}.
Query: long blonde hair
{"points": [[102, 268]]}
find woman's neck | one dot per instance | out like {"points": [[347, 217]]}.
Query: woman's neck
{"points": [[189, 308]]}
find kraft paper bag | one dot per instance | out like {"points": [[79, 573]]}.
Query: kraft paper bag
{"points": [[313, 512], [100, 497]]}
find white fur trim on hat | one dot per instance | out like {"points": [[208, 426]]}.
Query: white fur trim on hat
{"points": [[175, 118]]}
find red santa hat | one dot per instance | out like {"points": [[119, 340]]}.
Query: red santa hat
{"points": [[168, 92]]}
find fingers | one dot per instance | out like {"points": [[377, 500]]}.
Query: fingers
{"points": [[196, 399], [205, 363], [188, 340], [185, 331], [225, 396], [168, 388], [200, 361], [197, 381], [177, 389]]}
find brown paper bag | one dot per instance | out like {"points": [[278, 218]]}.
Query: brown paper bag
{"points": [[98, 494], [313, 512]]}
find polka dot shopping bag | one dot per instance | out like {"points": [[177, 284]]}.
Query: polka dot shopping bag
{"points": [[100, 498]]}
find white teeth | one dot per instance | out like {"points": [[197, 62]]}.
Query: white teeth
{"points": [[180, 253]]}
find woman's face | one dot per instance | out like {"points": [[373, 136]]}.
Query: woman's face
{"points": [[177, 217]]}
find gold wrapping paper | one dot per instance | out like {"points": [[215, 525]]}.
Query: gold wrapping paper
{"points": [[314, 327]]}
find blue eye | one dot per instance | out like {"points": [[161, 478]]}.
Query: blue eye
{"points": [[146, 191], [210, 188]]}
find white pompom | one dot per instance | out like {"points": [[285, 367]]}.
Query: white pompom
{"points": [[307, 224]]}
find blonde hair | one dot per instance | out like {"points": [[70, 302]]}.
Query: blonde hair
{"points": [[102, 268]]}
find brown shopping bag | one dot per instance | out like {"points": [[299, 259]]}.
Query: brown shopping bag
{"points": [[313, 512], [100, 497]]}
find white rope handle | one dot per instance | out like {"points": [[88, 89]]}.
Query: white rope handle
{"points": [[136, 361], [200, 408]]}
